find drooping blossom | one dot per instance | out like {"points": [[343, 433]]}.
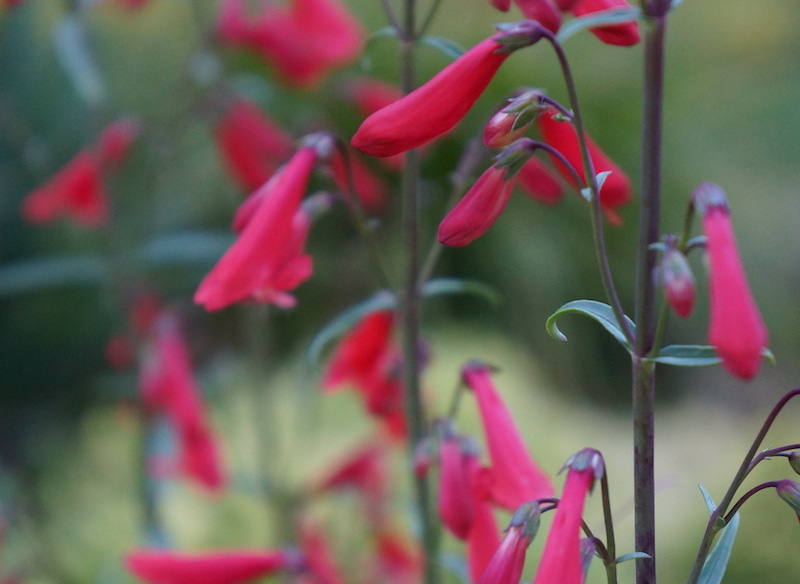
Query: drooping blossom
{"points": [[252, 145], [438, 105], [678, 281], [169, 388], [789, 491], [364, 469], [320, 564], [542, 11], [537, 181], [478, 209], [265, 262], [397, 560], [736, 330], [515, 477], [229, 567], [483, 538], [616, 190], [623, 34], [508, 561], [455, 497], [562, 560], [367, 358], [78, 191], [303, 41]]}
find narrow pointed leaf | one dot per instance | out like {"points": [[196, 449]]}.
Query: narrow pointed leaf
{"points": [[443, 286], [444, 46], [716, 562], [633, 556], [595, 19], [598, 311], [52, 272], [712, 506], [687, 356], [185, 248]]}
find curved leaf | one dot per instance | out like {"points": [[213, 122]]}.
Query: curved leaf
{"points": [[601, 18], [444, 46], [599, 311], [441, 286], [185, 248], [687, 356], [633, 556]]}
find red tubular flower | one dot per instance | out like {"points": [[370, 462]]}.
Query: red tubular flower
{"points": [[433, 108], [502, 5], [303, 41], [252, 145], [508, 561], [736, 330], [76, 191], [542, 11], [455, 500], [168, 387], [371, 191], [483, 539], [562, 561], [538, 182], [317, 555], [624, 34], [478, 209], [116, 140], [397, 561], [516, 479], [263, 261], [616, 190], [232, 567]]}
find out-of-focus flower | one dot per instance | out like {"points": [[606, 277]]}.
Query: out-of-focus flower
{"points": [[736, 330], [265, 262], [371, 190], [229, 567], [478, 209], [168, 387], [542, 11], [562, 560], [303, 41], [515, 477], [252, 145], [483, 538], [538, 182], [367, 358], [623, 34], [455, 498], [363, 469], [438, 105], [317, 555], [396, 561], [77, 191], [508, 561], [616, 190], [678, 281]]}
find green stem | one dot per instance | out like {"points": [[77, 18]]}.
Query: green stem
{"points": [[611, 546]]}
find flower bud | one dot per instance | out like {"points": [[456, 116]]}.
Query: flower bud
{"points": [[506, 565], [789, 491], [794, 461], [678, 281]]}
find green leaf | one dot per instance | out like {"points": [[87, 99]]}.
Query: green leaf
{"points": [[687, 356], [444, 46], [185, 248], [599, 311], [346, 320], [633, 556], [712, 506], [71, 41], [716, 562], [443, 286], [52, 272], [601, 18]]}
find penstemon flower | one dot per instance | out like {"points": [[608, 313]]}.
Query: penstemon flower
{"points": [[438, 105], [515, 477], [624, 34], [736, 330], [562, 560], [509, 560]]}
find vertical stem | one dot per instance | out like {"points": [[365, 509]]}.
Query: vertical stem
{"points": [[643, 374], [411, 308]]}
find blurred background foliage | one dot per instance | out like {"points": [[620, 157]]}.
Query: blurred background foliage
{"points": [[731, 116]]}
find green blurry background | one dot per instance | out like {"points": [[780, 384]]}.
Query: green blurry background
{"points": [[68, 476]]}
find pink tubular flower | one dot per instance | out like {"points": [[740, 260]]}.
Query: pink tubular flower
{"points": [[562, 560], [78, 191], [168, 387], [508, 561], [537, 181], [736, 330], [263, 263], [232, 567], [678, 281], [624, 34], [317, 555], [455, 499], [435, 107], [483, 538], [252, 145], [542, 11], [478, 209], [515, 477], [397, 560], [616, 190], [369, 189], [303, 41]]}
